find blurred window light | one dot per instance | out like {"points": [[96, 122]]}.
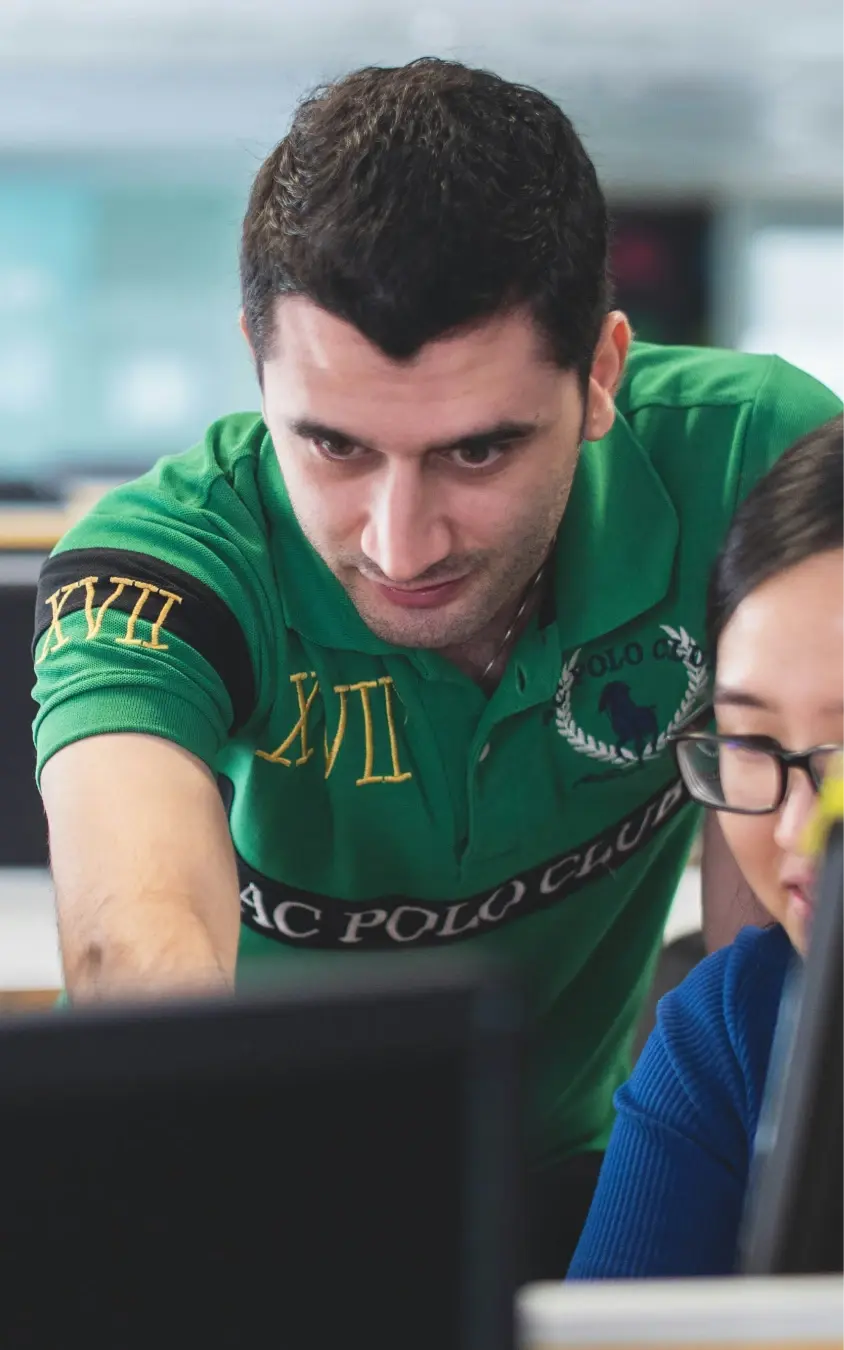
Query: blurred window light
{"points": [[24, 288], [27, 377], [118, 310], [152, 391], [795, 287]]}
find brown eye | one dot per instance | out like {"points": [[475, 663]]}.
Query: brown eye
{"points": [[339, 451], [476, 456]]}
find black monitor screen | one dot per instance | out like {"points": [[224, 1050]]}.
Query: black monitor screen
{"points": [[794, 1223], [296, 1173]]}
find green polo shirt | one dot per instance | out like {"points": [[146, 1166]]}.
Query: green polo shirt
{"points": [[379, 801]]}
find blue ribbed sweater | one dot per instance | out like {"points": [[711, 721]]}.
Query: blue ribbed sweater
{"points": [[670, 1195]]}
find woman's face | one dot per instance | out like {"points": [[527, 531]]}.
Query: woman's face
{"points": [[780, 673]]}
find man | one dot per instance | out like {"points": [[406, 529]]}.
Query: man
{"points": [[429, 618]]}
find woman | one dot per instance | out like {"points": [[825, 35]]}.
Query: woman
{"points": [[670, 1195]]}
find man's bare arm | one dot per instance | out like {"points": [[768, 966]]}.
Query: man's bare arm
{"points": [[144, 870], [728, 902]]}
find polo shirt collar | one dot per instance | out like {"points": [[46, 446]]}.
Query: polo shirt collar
{"points": [[614, 555], [617, 541]]}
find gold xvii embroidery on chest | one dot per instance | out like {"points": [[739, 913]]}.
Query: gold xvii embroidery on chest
{"points": [[153, 610], [372, 700]]}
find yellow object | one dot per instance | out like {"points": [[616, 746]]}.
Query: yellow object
{"points": [[830, 808]]}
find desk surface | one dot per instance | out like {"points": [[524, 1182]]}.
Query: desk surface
{"points": [[777, 1314], [32, 527], [40, 525]]}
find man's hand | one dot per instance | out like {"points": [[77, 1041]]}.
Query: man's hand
{"points": [[728, 902], [145, 876]]}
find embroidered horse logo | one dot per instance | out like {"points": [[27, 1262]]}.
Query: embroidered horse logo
{"points": [[634, 725], [631, 724]]}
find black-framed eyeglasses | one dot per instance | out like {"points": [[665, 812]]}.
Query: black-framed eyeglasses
{"points": [[744, 774]]}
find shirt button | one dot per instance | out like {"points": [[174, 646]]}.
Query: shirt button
{"points": [[482, 756]]}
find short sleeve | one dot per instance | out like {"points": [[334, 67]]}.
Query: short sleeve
{"points": [[151, 614]]}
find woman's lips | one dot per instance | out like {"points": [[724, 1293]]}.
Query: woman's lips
{"points": [[800, 901]]}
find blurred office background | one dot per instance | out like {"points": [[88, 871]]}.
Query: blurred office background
{"points": [[130, 131]]}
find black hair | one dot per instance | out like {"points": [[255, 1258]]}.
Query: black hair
{"points": [[791, 514], [411, 201]]}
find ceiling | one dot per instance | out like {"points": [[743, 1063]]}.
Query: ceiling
{"points": [[736, 96]]}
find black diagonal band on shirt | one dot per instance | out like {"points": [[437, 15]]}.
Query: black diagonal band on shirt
{"points": [[300, 918]]}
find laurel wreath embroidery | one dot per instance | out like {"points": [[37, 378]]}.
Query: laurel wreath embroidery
{"points": [[624, 758]]}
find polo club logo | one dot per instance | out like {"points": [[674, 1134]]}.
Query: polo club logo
{"points": [[636, 735]]}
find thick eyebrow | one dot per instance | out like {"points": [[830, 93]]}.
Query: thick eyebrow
{"points": [[511, 432], [743, 698], [471, 440]]}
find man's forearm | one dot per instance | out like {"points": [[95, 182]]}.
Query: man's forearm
{"points": [[150, 947]]}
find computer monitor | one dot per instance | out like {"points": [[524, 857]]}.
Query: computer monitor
{"points": [[794, 1219], [23, 829], [331, 1164]]}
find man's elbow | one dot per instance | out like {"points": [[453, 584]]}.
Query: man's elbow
{"points": [[168, 959]]}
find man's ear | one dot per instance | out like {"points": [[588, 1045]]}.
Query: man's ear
{"points": [[245, 331], [247, 339], [606, 374]]}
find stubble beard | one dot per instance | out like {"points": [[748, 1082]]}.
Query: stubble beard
{"points": [[480, 613]]}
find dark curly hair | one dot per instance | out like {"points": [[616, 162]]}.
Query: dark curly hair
{"points": [[414, 200]]}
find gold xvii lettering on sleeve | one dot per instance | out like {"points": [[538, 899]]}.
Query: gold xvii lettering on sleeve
{"points": [[57, 638]]}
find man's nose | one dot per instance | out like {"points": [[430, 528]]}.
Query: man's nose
{"points": [[406, 533]]}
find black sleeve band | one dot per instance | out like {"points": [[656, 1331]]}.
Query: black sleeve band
{"points": [[198, 617]]}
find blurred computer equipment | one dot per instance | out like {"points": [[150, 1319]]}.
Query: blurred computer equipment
{"points": [[333, 1163], [794, 1223], [23, 832], [746, 1314]]}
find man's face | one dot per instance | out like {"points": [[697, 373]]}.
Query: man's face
{"points": [[431, 488]]}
